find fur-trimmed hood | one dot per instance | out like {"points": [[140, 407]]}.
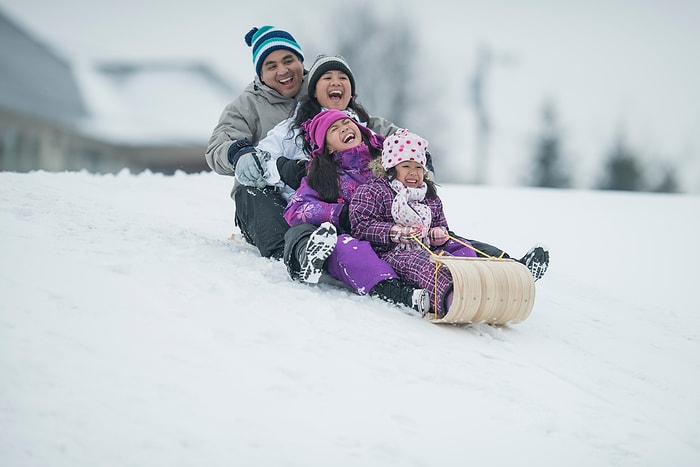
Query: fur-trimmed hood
{"points": [[375, 166]]}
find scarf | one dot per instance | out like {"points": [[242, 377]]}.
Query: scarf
{"points": [[407, 209]]}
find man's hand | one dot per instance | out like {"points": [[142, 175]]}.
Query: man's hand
{"points": [[251, 169]]}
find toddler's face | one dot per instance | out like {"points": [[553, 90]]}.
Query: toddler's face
{"points": [[410, 173], [342, 134]]}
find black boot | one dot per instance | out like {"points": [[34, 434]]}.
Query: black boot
{"points": [[398, 291], [537, 261]]}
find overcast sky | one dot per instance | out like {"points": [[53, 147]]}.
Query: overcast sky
{"points": [[610, 66]]}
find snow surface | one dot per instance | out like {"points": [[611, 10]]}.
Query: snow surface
{"points": [[134, 333]]}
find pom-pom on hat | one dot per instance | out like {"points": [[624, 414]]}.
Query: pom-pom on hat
{"points": [[316, 128], [267, 39], [326, 63], [403, 146]]}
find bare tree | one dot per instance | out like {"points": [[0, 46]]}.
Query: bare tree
{"points": [[382, 57], [385, 57]]}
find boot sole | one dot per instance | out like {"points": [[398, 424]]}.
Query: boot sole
{"points": [[320, 246]]}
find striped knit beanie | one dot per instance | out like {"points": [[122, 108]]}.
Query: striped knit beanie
{"points": [[267, 39]]}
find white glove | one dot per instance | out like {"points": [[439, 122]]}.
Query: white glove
{"points": [[251, 169]]}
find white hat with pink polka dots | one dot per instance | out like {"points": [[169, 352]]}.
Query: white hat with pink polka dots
{"points": [[403, 146]]}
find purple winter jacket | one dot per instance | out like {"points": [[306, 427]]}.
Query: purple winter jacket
{"points": [[370, 214], [307, 206]]}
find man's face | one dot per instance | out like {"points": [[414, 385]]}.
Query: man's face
{"points": [[283, 71], [333, 90]]}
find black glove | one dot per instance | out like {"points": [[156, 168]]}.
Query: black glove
{"points": [[344, 220], [291, 171], [237, 149]]}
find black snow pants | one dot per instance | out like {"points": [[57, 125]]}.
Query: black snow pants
{"points": [[259, 216]]}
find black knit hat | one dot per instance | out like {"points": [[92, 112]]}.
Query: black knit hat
{"points": [[326, 63]]}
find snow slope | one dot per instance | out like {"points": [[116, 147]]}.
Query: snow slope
{"points": [[133, 333]]}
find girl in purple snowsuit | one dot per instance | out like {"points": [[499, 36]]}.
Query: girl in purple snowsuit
{"points": [[339, 164], [391, 211]]}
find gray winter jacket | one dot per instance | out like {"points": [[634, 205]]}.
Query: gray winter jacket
{"points": [[251, 115]]}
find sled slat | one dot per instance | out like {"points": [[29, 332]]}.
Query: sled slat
{"points": [[487, 290]]}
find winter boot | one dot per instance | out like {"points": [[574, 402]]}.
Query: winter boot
{"points": [[318, 248], [398, 291], [537, 261]]}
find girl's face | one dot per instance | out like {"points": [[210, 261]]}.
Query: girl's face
{"points": [[410, 173], [342, 134], [333, 90]]}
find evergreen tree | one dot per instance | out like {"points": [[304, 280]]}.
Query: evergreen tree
{"points": [[549, 168], [622, 170], [668, 182]]}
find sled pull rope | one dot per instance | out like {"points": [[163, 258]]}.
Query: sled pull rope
{"points": [[437, 268], [458, 241]]}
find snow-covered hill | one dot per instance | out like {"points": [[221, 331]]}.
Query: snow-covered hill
{"points": [[132, 332]]}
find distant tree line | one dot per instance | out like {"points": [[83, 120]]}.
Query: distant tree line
{"points": [[382, 54], [623, 168]]}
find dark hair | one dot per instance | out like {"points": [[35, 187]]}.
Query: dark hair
{"points": [[309, 107], [431, 193], [323, 174]]}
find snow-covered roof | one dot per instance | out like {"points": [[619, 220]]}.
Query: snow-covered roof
{"points": [[153, 102], [125, 102], [34, 78]]}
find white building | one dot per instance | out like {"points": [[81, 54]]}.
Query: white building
{"points": [[56, 115]]}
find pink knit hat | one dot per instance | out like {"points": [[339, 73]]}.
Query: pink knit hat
{"points": [[317, 127], [403, 146]]}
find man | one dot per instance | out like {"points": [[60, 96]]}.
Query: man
{"points": [[269, 99]]}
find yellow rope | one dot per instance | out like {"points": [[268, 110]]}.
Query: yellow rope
{"points": [[437, 268], [435, 281], [472, 248]]}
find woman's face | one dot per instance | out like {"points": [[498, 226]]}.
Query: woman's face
{"points": [[410, 173], [342, 134], [333, 90]]}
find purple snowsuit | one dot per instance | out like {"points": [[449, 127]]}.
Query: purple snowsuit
{"points": [[353, 261], [371, 219]]}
